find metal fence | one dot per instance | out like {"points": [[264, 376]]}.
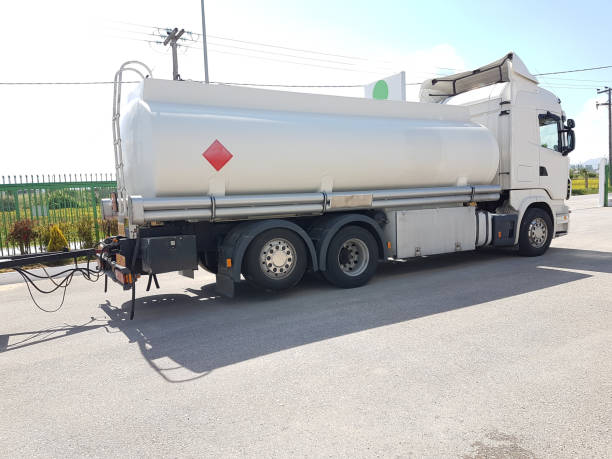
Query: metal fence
{"points": [[35, 202]]}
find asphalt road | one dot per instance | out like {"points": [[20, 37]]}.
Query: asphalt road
{"points": [[481, 354]]}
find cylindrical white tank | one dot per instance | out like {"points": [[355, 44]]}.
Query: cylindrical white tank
{"points": [[177, 138]]}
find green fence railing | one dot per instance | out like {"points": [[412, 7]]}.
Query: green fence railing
{"points": [[30, 204]]}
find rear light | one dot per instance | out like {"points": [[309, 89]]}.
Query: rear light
{"points": [[123, 278]]}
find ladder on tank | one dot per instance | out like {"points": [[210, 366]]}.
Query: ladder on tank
{"points": [[144, 72]]}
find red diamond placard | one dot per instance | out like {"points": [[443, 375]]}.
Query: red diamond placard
{"points": [[217, 155]]}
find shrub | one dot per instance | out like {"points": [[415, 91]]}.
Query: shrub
{"points": [[22, 233], [85, 232], [62, 199], [57, 240], [43, 234]]}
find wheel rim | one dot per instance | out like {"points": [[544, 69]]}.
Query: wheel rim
{"points": [[538, 232], [277, 258], [353, 257]]}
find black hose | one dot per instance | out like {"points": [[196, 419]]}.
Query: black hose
{"points": [[92, 275]]}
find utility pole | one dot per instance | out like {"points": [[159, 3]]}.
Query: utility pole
{"points": [[172, 38], [609, 104], [204, 44]]}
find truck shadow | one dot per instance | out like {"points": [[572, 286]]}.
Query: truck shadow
{"points": [[186, 336]]}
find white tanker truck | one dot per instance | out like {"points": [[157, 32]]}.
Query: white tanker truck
{"points": [[269, 184]]}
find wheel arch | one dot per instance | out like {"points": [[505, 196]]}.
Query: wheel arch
{"points": [[535, 205], [529, 202], [237, 241], [326, 228]]}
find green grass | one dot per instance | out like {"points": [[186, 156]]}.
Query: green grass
{"points": [[578, 186]]}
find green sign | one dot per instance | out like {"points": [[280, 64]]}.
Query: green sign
{"points": [[381, 90]]}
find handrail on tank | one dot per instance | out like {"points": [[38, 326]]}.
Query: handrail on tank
{"points": [[144, 72]]}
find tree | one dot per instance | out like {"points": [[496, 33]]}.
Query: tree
{"points": [[585, 172]]}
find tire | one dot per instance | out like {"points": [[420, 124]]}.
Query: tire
{"points": [[536, 233], [275, 260], [352, 257]]}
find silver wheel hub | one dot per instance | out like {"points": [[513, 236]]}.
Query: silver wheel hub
{"points": [[353, 257], [277, 258], [538, 232]]}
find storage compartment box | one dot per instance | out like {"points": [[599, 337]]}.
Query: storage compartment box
{"points": [[432, 231], [504, 229], [169, 253]]}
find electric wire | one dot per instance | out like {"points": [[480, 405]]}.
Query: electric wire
{"points": [[25, 83], [161, 30], [575, 70], [302, 50]]}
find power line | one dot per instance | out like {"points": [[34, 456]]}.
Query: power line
{"points": [[261, 57], [284, 61], [59, 82], [256, 43], [24, 83], [577, 79], [576, 70], [302, 50], [183, 39], [197, 46]]}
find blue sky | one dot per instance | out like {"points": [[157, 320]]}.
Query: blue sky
{"points": [[47, 128]]}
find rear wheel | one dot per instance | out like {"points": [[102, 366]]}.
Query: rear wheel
{"points": [[536, 232], [352, 257], [275, 260]]}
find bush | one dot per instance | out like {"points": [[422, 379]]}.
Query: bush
{"points": [[57, 240], [85, 232], [22, 233], [62, 199], [43, 234]]}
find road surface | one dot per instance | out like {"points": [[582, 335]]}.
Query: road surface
{"points": [[482, 354]]}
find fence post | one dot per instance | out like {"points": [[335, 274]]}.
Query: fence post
{"points": [[606, 180], [95, 212], [16, 196]]}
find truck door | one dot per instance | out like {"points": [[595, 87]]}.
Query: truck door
{"points": [[554, 165]]}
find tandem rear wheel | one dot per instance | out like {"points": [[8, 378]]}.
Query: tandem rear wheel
{"points": [[352, 257], [275, 260]]}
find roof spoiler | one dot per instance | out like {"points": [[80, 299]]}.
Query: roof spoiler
{"points": [[508, 68]]}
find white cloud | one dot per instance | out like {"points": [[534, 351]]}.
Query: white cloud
{"points": [[591, 132]]}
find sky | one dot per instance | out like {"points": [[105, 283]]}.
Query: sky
{"points": [[52, 129]]}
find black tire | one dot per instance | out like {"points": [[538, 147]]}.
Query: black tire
{"points": [[342, 254], [273, 266], [537, 221]]}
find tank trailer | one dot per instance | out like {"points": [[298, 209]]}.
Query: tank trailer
{"points": [[268, 184]]}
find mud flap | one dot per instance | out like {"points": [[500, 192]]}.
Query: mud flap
{"points": [[225, 285]]}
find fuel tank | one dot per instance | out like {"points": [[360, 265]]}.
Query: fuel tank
{"points": [[182, 138]]}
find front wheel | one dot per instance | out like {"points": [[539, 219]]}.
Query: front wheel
{"points": [[352, 257], [536, 233]]}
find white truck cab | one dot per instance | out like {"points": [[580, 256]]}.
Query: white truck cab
{"points": [[531, 129]]}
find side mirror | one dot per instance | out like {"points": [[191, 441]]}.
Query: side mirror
{"points": [[571, 140], [571, 124]]}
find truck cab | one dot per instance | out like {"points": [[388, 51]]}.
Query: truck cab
{"points": [[531, 129]]}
